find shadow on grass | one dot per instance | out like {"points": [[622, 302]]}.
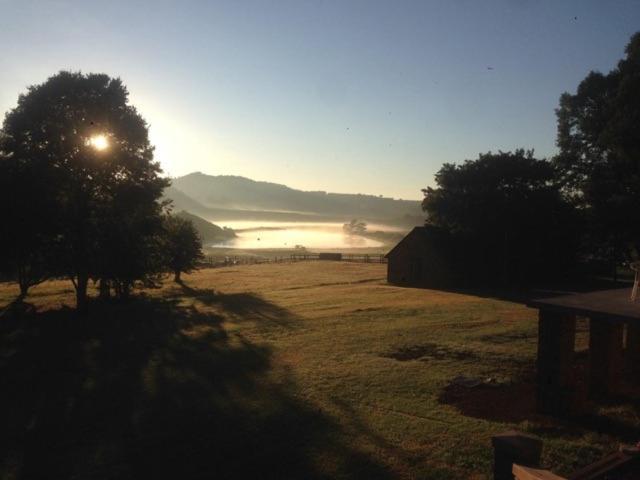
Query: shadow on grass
{"points": [[17, 308], [243, 306], [515, 403], [501, 403], [429, 351], [523, 295], [509, 338], [152, 389]]}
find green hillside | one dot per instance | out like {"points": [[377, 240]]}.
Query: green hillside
{"points": [[209, 232]]}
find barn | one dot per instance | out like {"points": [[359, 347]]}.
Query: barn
{"points": [[424, 258]]}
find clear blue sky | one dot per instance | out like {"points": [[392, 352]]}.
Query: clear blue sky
{"points": [[349, 96]]}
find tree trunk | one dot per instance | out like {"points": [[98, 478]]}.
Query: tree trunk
{"points": [[81, 293], [105, 289], [615, 262], [176, 277], [505, 259], [24, 288], [23, 282]]}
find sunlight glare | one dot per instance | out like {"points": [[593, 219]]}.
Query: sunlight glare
{"points": [[99, 142]]}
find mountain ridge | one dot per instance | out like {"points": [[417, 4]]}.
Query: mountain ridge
{"points": [[282, 185], [225, 193]]}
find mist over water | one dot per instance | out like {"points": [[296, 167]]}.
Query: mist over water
{"points": [[313, 235]]}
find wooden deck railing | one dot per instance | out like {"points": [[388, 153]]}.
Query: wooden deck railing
{"points": [[517, 456]]}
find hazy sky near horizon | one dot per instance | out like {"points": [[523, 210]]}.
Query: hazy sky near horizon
{"points": [[346, 96]]}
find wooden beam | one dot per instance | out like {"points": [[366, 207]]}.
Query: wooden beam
{"points": [[633, 350], [514, 447], [527, 473], [600, 468], [555, 382], [606, 357]]}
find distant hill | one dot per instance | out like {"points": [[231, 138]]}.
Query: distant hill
{"points": [[219, 195], [209, 233], [181, 201]]}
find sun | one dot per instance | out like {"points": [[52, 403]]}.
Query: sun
{"points": [[99, 142]]}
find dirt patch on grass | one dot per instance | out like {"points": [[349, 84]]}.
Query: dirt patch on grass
{"points": [[509, 337], [333, 284], [473, 323], [512, 402], [369, 309], [429, 351]]}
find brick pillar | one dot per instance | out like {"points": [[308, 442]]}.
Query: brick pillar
{"points": [[633, 350], [555, 382], [514, 447], [606, 357]]}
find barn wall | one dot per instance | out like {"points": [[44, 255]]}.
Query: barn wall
{"points": [[399, 261], [436, 268]]}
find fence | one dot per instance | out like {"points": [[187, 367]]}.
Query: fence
{"points": [[212, 261], [216, 261], [348, 257]]}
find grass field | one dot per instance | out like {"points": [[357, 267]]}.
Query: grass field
{"points": [[305, 370]]}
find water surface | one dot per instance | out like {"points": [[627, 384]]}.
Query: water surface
{"points": [[312, 235]]}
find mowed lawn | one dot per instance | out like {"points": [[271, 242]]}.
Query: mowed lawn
{"points": [[305, 370]]}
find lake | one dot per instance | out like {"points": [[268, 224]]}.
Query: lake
{"points": [[312, 235]]}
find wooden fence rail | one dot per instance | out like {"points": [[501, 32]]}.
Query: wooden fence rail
{"points": [[217, 261], [342, 257]]}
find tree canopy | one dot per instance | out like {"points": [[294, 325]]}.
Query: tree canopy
{"points": [[599, 159], [83, 153], [355, 227], [508, 214]]}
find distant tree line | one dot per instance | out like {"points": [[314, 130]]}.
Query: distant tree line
{"points": [[519, 219], [80, 193]]}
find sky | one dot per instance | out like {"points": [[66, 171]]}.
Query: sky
{"points": [[342, 96]]}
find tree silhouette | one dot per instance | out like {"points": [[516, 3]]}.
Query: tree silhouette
{"points": [[599, 158], [129, 241], [27, 238], [508, 214], [355, 227], [78, 136], [183, 247]]}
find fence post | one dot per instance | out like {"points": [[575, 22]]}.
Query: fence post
{"points": [[514, 447]]}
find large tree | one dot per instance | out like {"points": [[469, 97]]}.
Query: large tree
{"points": [[506, 211], [78, 135], [599, 160]]}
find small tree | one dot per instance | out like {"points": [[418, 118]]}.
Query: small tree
{"points": [[131, 250], [355, 227], [183, 247]]}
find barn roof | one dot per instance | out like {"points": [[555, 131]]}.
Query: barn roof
{"points": [[424, 232]]}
